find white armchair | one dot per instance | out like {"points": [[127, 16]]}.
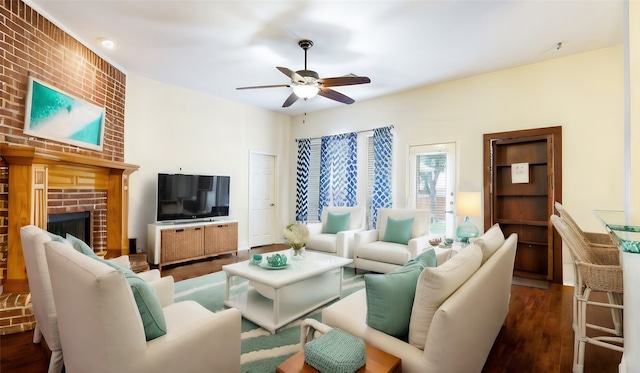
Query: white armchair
{"points": [[101, 329], [33, 240], [373, 253], [340, 243]]}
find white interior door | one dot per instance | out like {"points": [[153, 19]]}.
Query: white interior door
{"points": [[262, 203], [432, 180]]}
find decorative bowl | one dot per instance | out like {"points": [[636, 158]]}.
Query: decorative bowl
{"points": [[277, 260], [435, 241]]}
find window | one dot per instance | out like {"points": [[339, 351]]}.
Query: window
{"points": [[348, 187], [432, 182]]}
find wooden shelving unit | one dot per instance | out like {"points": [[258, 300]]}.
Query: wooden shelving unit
{"points": [[524, 207]]}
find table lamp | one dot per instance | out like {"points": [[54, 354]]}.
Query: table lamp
{"points": [[467, 204]]}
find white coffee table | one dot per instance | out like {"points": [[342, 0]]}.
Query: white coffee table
{"points": [[278, 296]]}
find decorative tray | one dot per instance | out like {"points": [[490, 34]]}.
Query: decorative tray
{"points": [[267, 266]]}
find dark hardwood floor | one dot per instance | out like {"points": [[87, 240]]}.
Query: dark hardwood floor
{"points": [[537, 336]]}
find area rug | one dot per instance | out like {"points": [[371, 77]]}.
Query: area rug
{"points": [[261, 351]]}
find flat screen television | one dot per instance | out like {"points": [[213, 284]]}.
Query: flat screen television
{"points": [[193, 197]]}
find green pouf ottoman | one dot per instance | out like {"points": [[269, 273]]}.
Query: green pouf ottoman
{"points": [[336, 352]]}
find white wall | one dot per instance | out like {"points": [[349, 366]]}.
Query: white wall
{"points": [[633, 61], [583, 93], [170, 129]]}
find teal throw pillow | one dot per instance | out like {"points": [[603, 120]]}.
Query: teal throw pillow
{"points": [[55, 238], [390, 299], [81, 246], [149, 307], [147, 301], [425, 259], [337, 222], [398, 230]]}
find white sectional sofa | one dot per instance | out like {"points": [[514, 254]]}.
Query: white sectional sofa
{"points": [[464, 326]]}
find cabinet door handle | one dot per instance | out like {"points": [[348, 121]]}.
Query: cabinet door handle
{"points": [[179, 230]]}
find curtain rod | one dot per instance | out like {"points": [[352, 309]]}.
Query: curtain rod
{"points": [[363, 131]]}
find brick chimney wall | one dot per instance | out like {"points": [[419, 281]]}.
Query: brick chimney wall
{"points": [[30, 45]]}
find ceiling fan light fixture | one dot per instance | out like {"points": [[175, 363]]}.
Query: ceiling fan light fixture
{"points": [[307, 84], [305, 91]]}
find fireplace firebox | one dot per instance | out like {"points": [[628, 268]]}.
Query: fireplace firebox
{"points": [[77, 224]]}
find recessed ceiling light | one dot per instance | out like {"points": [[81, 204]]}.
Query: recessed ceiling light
{"points": [[107, 43]]}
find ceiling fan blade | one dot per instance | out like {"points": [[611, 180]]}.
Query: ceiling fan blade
{"points": [[294, 76], [334, 95], [290, 100], [265, 86], [344, 80]]}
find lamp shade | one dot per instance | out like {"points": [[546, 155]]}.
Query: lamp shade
{"points": [[468, 203]]}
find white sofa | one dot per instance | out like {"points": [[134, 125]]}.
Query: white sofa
{"points": [[341, 243], [101, 329], [463, 328], [371, 253]]}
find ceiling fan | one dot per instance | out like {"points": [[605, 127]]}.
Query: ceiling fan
{"points": [[307, 83]]}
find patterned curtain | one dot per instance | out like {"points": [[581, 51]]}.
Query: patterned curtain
{"points": [[338, 171], [302, 179], [383, 153]]}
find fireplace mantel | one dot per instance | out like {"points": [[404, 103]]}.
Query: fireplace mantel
{"points": [[32, 171]]}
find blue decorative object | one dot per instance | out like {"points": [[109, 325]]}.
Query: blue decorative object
{"points": [[468, 204], [466, 230], [277, 260]]}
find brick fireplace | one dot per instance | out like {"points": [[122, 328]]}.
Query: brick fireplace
{"points": [[40, 176], [68, 207], [44, 181]]}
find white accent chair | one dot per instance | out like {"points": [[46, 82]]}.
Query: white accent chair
{"points": [[33, 239], [101, 329], [373, 254], [341, 243]]}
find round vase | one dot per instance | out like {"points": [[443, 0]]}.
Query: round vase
{"points": [[298, 254]]}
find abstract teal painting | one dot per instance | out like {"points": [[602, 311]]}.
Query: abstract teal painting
{"points": [[55, 115]]}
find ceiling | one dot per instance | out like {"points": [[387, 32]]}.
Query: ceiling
{"points": [[216, 46]]}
